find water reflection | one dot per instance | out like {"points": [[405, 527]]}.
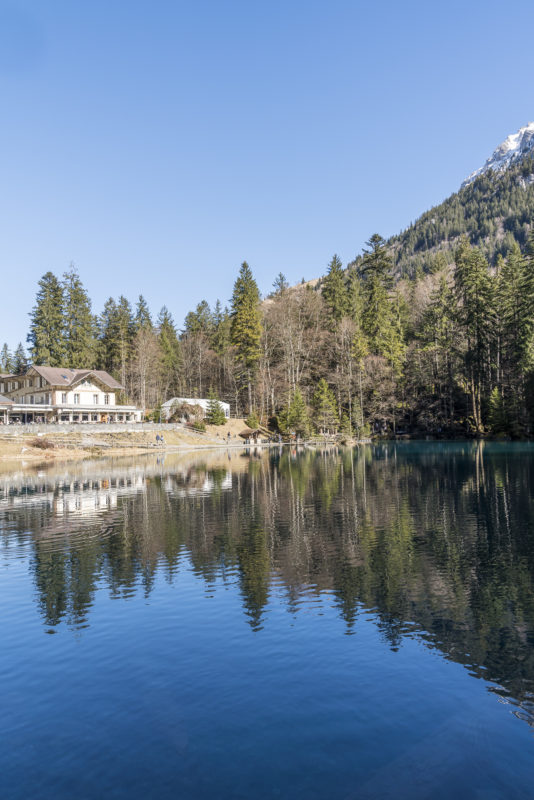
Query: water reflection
{"points": [[435, 541]]}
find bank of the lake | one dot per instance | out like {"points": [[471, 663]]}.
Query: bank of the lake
{"points": [[77, 442]]}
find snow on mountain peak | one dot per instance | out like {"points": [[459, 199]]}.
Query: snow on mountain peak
{"points": [[511, 150]]}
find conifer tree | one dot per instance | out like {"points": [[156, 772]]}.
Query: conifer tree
{"points": [[294, 418], [246, 327], [324, 404], [200, 320], [220, 340], [20, 360], [46, 336], [381, 319], [360, 344], [476, 318], [497, 412], [6, 359], [335, 291], [171, 351], [143, 318], [280, 284], [79, 323], [215, 412], [116, 337], [527, 307]]}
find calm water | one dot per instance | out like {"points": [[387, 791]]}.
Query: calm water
{"points": [[335, 624]]}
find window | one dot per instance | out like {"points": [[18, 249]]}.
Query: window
{"points": [[95, 399], [63, 397], [32, 399], [77, 399], [106, 399]]}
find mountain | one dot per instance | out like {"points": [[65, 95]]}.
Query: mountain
{"points": [[513, 149], [494, 208]]}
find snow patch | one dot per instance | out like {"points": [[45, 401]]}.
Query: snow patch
{"points": [[513, 149]]}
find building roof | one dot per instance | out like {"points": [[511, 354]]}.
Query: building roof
{"points": [[5, 401], [63, 376]]}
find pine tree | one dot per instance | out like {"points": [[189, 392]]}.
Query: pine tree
{"points": [[334, 290], [79, 323], [20, 360], [246, 327], [324, 404], [6, 360], [46, 335], [215, 413]]}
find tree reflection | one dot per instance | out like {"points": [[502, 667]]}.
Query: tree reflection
{"points": [[435, 540]]}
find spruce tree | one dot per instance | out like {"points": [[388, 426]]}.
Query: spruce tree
{"points": [[324, 404], [20, 360], [171, 358], [221, 335], [334, 290], [6, 359], [117, 330], [381, 320], [246, 327], [476, 317], [200, 320], [143, 318], [295, 418], [215, 413], [46, 336], [79, 323]]}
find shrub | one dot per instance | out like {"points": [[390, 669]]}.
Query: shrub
{"points": [[42, 443], [252, 420]]}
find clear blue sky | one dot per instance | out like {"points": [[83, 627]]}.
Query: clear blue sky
{"points": [[159, 144]]}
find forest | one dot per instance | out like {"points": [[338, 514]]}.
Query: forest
{"points": [[443, 348]]}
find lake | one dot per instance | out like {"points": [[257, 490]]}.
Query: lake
{"points": [[330, 623]]}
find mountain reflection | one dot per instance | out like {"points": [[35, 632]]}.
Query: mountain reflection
{"points": [[435, 540]]}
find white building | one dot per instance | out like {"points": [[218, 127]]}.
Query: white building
{"points": [[58, 394], [166, 408]]}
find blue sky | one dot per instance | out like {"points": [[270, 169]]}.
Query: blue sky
{"points": [[159, 144]]}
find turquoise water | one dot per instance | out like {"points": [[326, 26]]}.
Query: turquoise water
{"points": [[315, 624]]}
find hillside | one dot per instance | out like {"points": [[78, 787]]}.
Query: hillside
{"points": [[493, 208]]}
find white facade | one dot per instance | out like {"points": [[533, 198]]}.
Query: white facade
{"points": [[55, 394]]}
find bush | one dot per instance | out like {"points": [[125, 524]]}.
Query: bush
{"points": [[199, 425], [42, 443], [252, 420]]}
